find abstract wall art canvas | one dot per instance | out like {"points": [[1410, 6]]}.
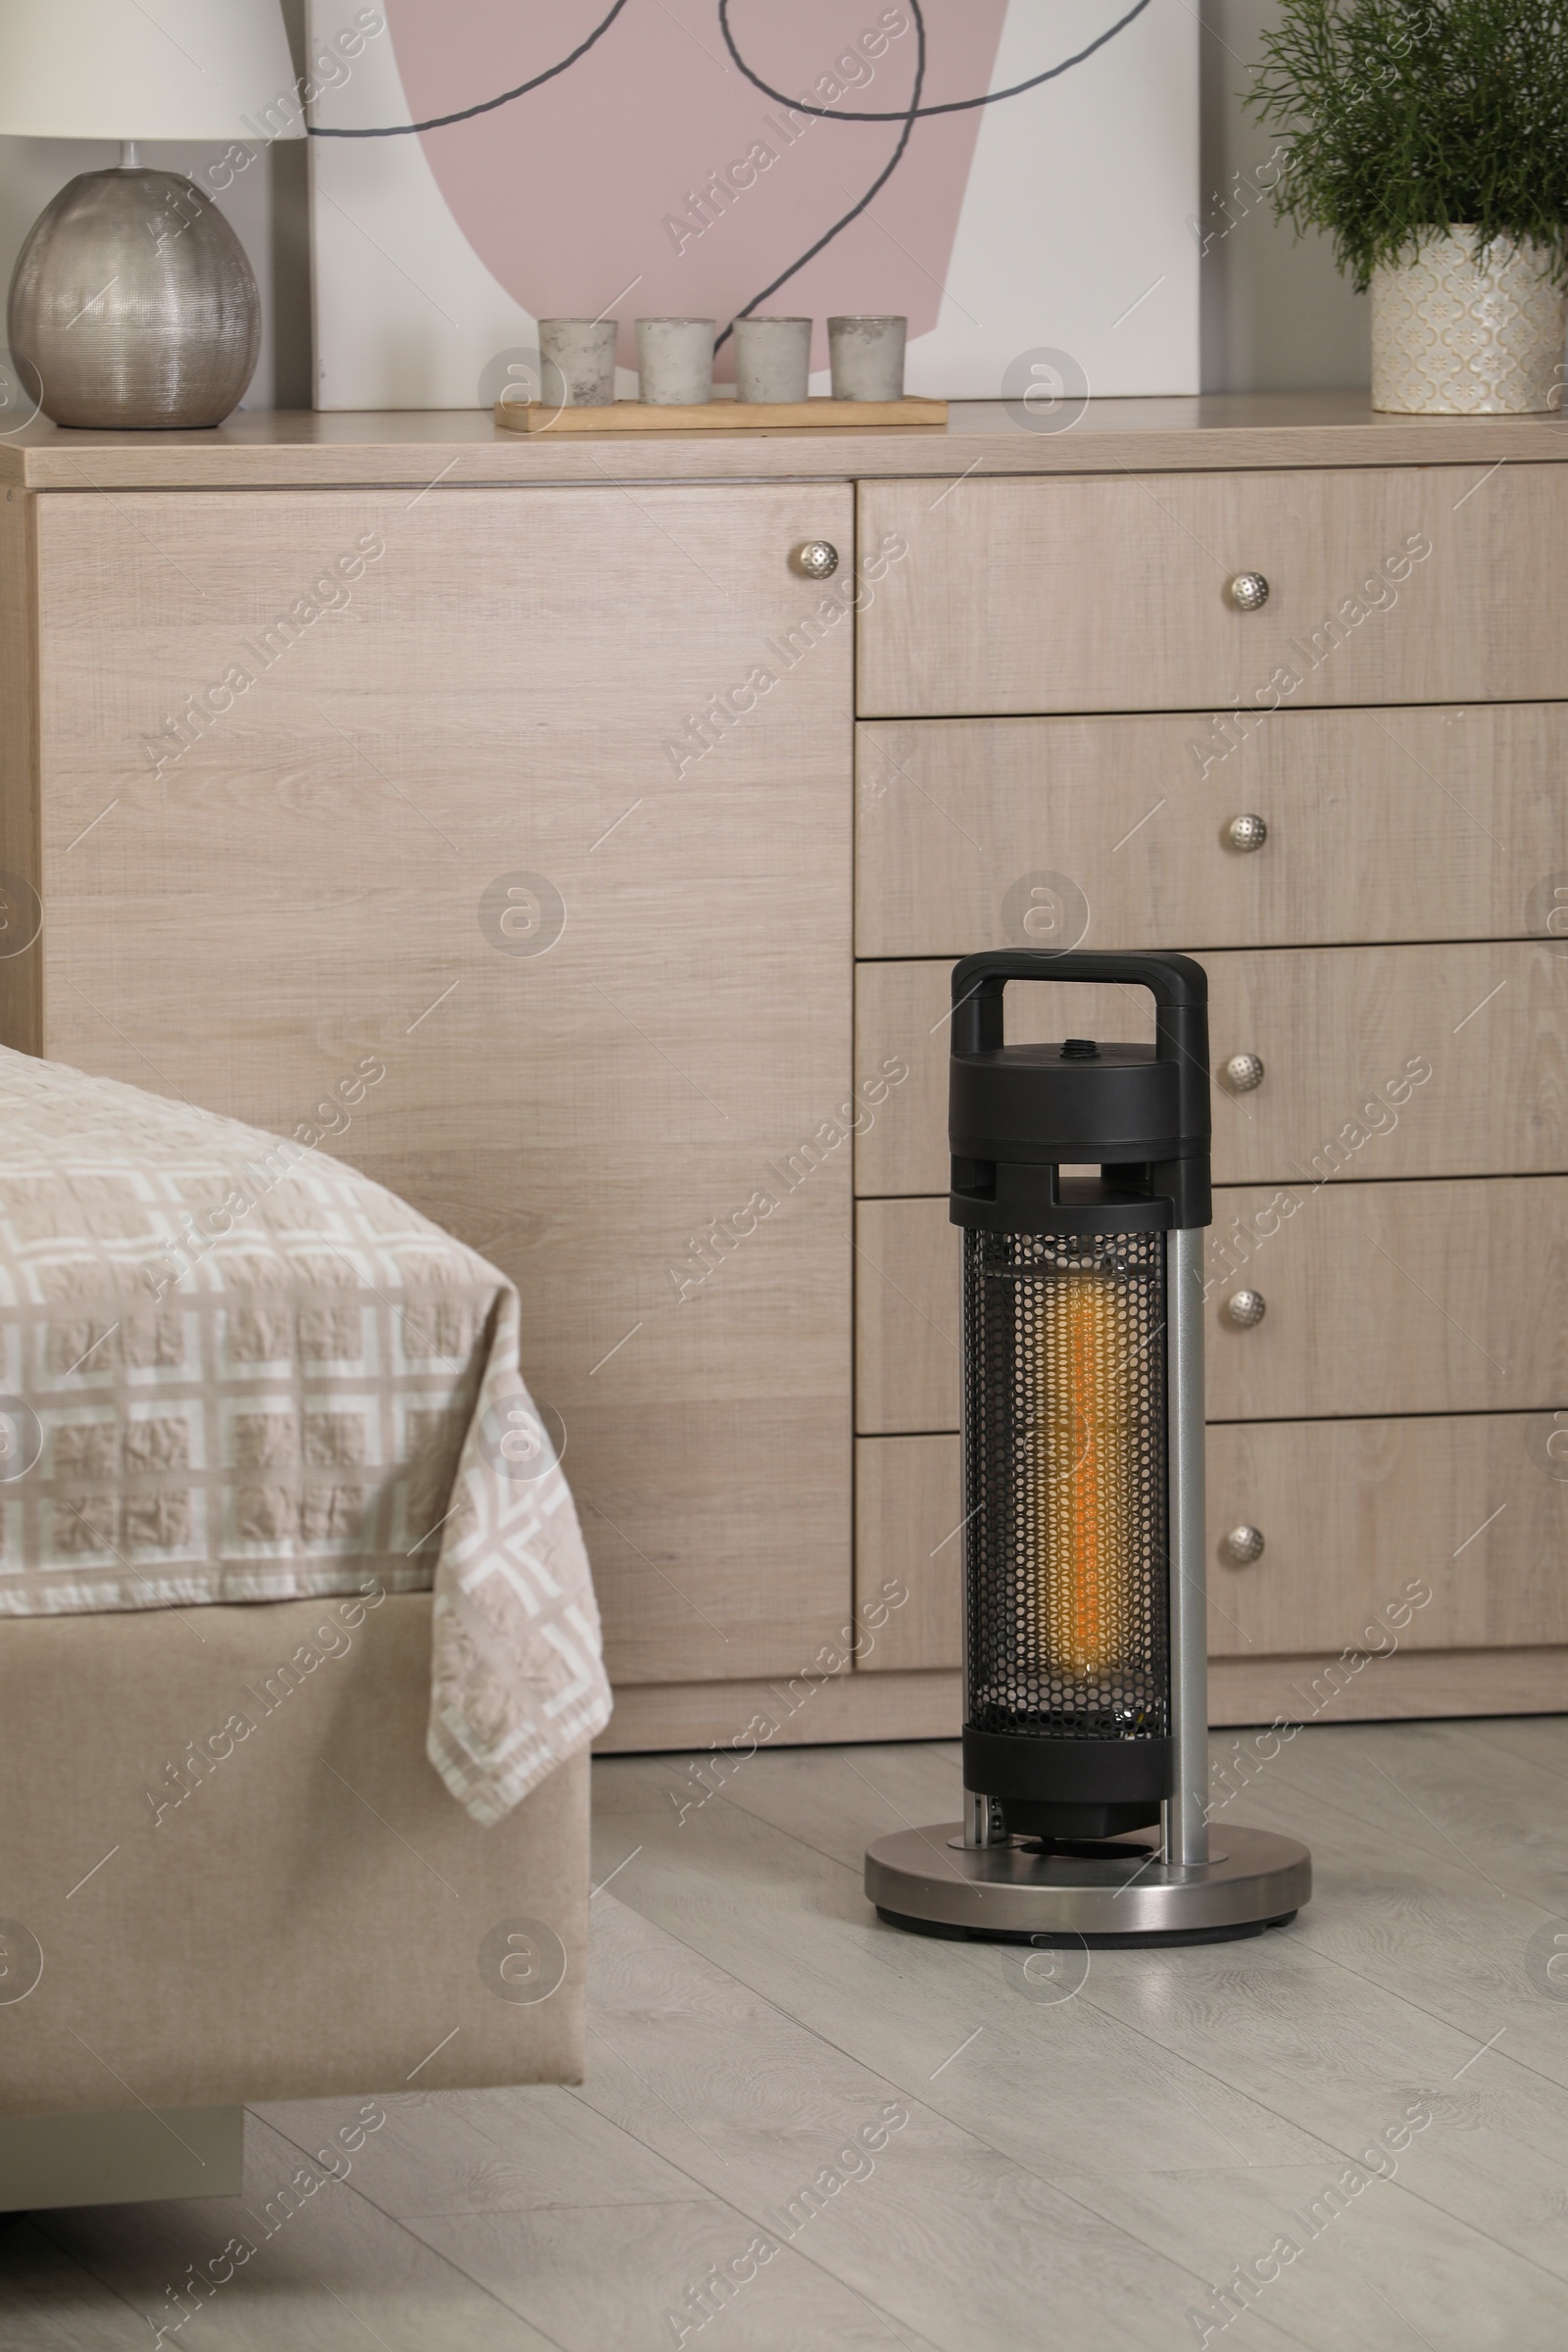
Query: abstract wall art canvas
{"points": [[1017, 176]]}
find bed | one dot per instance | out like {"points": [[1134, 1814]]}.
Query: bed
{"points": [[299, 1655]]}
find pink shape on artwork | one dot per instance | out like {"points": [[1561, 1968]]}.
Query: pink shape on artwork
{"points": [[622, 169]]}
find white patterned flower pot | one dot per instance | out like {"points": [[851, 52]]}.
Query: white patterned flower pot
{"points": [[1449, 339]]}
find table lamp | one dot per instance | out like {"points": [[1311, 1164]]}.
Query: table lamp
{"points": [[132, 303]]}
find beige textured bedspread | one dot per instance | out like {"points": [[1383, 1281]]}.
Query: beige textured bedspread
{"points": [[235, 1369]]}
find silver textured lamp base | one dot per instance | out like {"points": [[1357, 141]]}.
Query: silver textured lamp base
{"points": [[133, 306], [931, 1881]]}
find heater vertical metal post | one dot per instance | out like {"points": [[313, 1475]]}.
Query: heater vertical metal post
{"points": [[1186, 1814]]}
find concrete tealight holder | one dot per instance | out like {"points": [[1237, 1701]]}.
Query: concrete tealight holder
{"points": [[674, 361], [577, 362], [867, 356], [772, 359]]}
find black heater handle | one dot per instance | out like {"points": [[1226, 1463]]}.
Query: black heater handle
{"points": [[1178, 986]]}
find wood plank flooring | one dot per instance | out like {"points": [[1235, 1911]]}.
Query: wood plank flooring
{"points": [[938, 2156]]}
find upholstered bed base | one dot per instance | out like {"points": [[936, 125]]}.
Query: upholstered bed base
{"points": [[313, 1916]]}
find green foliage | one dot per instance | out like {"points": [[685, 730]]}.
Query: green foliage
{"points": [[1407, 117]]}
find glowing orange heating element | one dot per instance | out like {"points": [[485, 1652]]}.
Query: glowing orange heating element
{"points": [[1084, 1402]]}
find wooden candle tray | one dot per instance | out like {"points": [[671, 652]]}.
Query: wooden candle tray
{"points": [[718, 416]]}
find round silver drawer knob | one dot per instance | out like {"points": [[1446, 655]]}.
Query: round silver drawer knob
{"points": [[1248, 592], [1242, 1072], [1246, 833], [1244, 1309], [818, 558], [1243, 1545]]}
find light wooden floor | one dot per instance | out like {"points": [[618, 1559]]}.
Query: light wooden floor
{"points": [[1073, 2173]]}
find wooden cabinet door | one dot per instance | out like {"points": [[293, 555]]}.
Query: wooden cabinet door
{"points": [[538, 802], [1103, 592]]}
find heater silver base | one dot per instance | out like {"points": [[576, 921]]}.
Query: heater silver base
{"points": [[930, 1880]]}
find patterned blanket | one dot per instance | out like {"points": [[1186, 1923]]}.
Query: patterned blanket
{"points": [[233, 1369]]}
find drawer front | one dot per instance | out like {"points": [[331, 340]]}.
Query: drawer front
{"points": [[1339, 1030], [1382, 825], [1378, 1298], [1092, 593], [909, 1271], [1475, 1510], [1360, 1519], [906, 1524]]}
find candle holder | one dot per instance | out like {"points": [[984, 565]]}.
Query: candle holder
{"points": [[867, 356], [577, 362], [772, 359], [674, 362]]}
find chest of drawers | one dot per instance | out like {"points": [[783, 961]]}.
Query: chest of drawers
{"points": [[692, 1099], [1287, 722]]}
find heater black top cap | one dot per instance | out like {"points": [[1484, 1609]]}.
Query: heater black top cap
{"points": [[1018, 1114]]}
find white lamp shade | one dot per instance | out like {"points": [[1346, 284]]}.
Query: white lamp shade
{"points": [[111, 69]]}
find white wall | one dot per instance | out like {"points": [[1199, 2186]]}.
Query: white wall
{"points": [[1276, 317], [1275, 314]]}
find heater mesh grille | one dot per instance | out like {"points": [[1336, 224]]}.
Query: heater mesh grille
{"points": [[1065, 1485]]}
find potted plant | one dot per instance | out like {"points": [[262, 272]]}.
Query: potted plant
{"points": [[1430, 140]]}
